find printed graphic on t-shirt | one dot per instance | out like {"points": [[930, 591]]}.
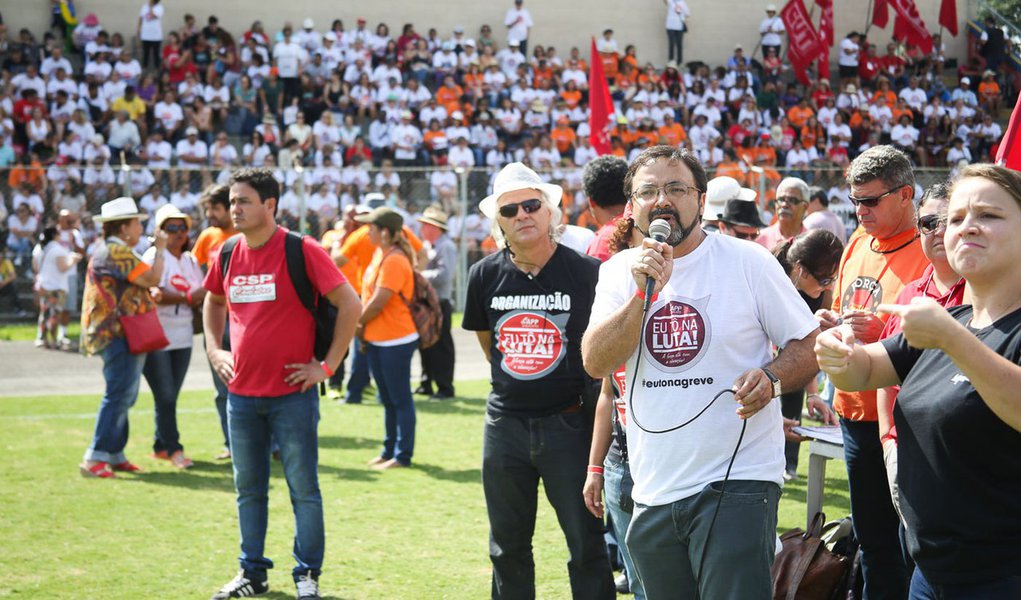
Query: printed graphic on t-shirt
{"points": [[246, 289], [532, 343], [864, 293], [179, 283], [677, 334]]}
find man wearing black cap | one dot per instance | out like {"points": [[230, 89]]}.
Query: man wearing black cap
{"points": [[438, 359], [741, 219]]}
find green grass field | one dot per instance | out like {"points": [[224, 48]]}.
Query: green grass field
{"points": [[415, 533]]}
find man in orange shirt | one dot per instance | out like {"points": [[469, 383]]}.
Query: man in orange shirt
{"points": [[670, 132], [879, 260], [356, 254], [449, 94], [799, 114], [563, 136], [215, 202]]}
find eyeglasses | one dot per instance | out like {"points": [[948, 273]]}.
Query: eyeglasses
{"points": [[792, 200], [930, 224], [509, 211], [823, 281], [874, 200], [750, 235], [175, 228], [672, 191]]}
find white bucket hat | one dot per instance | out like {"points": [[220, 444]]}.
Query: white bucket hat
{"points": [[719, 191], [516, 176], [118, 209]]}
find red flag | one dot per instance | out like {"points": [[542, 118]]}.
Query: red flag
{"points": [[880, 14], [948, 16], [600, 104], [910, 25], [804, 43], [826, 22], [1009, 152]]}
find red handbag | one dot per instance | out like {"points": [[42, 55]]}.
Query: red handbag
{"points": [[143, 332]]}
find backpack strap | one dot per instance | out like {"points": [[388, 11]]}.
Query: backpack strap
{"points": [[225, 251], [295, 257]]}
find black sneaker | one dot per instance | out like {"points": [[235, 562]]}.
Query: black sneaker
{"points": [[242, 586], [308, 586]]}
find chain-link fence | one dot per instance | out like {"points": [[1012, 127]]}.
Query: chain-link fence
{"points": [[313, 198]]}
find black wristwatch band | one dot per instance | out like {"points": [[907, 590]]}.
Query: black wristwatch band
{"points": [[774, 380]]}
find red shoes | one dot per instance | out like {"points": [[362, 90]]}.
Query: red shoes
{"points": [[178, 459], [127, 467], [99, 469]]}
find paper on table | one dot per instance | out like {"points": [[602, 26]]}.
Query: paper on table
{"points": [[823, 433]]}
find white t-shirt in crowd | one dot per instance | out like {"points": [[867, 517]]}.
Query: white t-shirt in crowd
{"points": [[152, 23], [51, 278], [725, 305], [180, 275]]}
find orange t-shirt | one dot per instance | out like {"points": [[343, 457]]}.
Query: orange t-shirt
{"points": [[799, 116], [866, 279], [449, 98], [350, 270], [563, 137], [208, 242], [809, 136], [358, 249], [392, 272], [730, 169], [891, 98], [672, 135], [898, 112], [572, 98], [988, 89]]}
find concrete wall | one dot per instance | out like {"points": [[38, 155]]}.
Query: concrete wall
{"points": [[714, 28]]}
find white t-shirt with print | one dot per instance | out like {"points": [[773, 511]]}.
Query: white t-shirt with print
{"points": [[724, 305], [180, 275]]}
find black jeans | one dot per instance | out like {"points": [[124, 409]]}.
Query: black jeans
{"points": [[153, 50], [164, 371], [675, 45], [438, 359], [516, 453]]}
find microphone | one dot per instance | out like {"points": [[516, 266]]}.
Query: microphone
{"points": [[659, 230]]}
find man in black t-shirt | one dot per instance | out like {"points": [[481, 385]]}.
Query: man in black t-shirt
{"points": [[529, 305]]}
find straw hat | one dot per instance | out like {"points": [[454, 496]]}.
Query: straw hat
{"points": [[169, 211], [434, 215], [119, 209], [517, 176]]}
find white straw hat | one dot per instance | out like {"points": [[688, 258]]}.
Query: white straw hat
{"points": [[118, 209], [516, 176], [169, 211]]}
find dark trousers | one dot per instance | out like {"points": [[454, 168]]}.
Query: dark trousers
{"points": [[1008, 587], [164, 371], [516, 453], [875, 520], [9, 293], [438, 359], [359, 378], [151, 50], [675, 45], [791, 405]]}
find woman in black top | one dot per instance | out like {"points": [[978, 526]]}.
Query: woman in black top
{"points": [[958, 415]]}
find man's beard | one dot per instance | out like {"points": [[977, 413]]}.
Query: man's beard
{"points": [[678, 232]]}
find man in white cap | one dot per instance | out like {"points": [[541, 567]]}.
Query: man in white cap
{"points": [[529, 305], [720, 191], [772, 31], [438, 359]]}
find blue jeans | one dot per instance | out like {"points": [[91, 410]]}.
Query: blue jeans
{"points": [[875, 521], [391, 368], [616, 484], [359, 379], [1002, 589], [164, 371], [292, 421], [221, 387], [667, 543], [516, 453], [122, 371]]}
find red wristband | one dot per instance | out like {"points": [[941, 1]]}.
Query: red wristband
{"points": [[187, 296], [641, 296], [595, 469], [326, 368]]}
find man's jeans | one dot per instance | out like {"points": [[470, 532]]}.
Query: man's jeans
{"points": [[617, 486], [164, 371], [291, 421], [1008, 588], [667, 543], [391, 368], [359, 379], [876, 523], [516, 453], [122, 371], [221, 387]]}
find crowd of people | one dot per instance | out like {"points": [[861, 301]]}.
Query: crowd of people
{"points": [[616, 349]]}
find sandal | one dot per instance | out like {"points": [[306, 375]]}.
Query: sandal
{"points": [[160, 455], [225, 455], [99, 470], [127, 466], [179, 460]]}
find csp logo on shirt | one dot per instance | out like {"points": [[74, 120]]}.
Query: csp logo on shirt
{"points": [[245, 289], [532, 343], [677, 334]]}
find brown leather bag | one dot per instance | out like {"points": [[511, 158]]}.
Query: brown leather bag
{"points": [[805, 569]]}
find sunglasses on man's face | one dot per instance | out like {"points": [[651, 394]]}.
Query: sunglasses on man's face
{"points": [[509, 211], [930, 224], [175, 228], [874, 200]]}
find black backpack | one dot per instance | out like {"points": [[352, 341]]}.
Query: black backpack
{"points": [[323, 312]]}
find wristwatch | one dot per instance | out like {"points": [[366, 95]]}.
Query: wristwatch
{"points": [[773, 379]]}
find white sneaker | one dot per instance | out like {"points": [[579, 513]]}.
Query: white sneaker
{"points": [[308, 587]]}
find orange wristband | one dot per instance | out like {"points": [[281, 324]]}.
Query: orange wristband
{"points": [[326, 368]]}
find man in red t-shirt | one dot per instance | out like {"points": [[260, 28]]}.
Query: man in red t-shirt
{"points": [[603, 182], [271, 375]]}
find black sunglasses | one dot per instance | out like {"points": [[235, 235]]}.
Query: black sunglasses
{"points": [[746, 236], [874, 200], [510, 211], [930, 224], [175, 228], [823, 281]]}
